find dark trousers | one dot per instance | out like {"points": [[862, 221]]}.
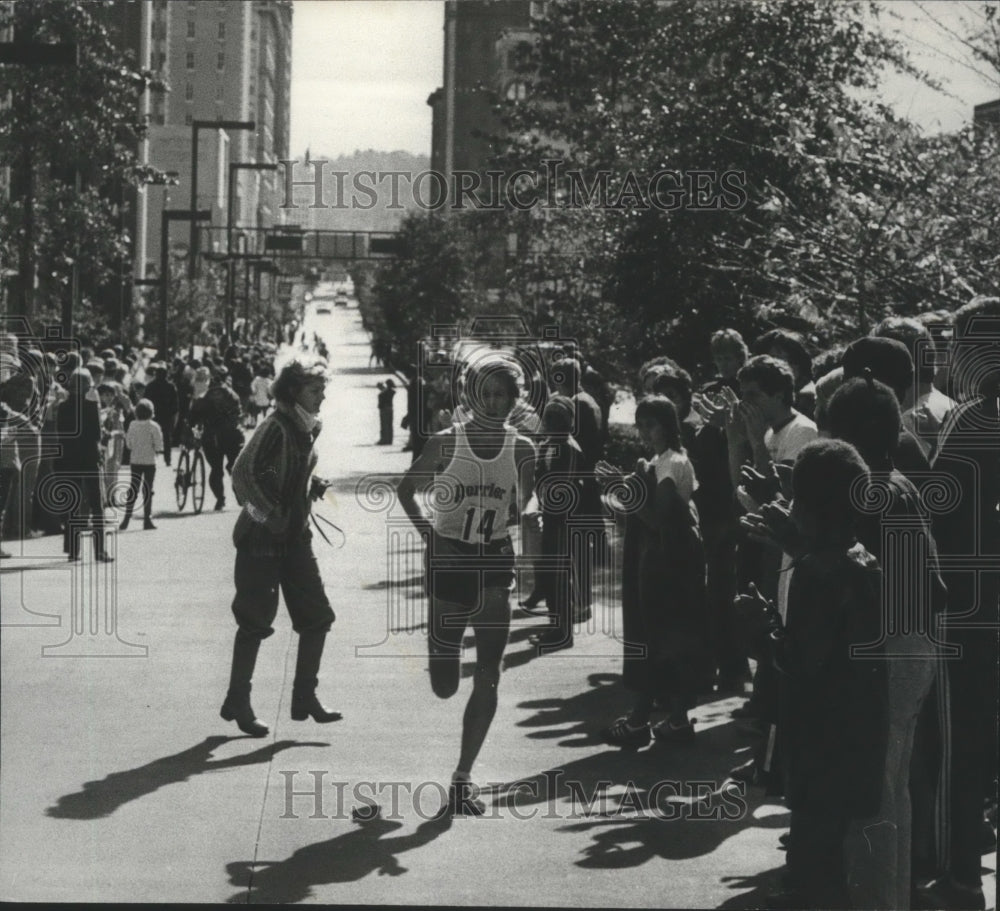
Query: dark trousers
{"points": [[385, 426], [972, 684], [221, 448], [86, 506], [720, 594], [168, 438], [816, 857], [555, 575], [7, 478], [142, 477], [296, 573]]}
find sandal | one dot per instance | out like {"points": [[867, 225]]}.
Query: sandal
{"points": [[623, 734]]}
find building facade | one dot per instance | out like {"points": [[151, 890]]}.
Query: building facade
{"points": [[223, 60], [484, 40]]}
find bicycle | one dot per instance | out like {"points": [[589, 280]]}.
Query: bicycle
{"points": [[190, 474]]}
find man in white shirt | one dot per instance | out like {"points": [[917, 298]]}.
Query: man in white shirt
{"points": [[766, 420]]}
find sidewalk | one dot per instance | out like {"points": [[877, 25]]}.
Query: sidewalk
{"points": [[121, 783]]}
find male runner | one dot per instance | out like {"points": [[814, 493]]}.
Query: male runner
{"points": [[483, 474]]}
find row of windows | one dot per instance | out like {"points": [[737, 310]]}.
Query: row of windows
{"points": [[220, 92], [220, 62], [191, 29]]}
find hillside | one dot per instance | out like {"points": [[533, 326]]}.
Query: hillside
{"points": [[358, 190]]}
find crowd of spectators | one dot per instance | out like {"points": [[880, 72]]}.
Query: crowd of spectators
{"points": [[786, 538], [71, 422]]}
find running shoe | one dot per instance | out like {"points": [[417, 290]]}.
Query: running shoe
{"points": [[668, 732], [624, 734]]}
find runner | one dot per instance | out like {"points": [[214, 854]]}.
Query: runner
{"points": [[483, 473]]}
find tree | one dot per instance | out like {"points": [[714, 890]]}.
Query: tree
{"points": [[432, 281], [772, 93], [72, 138]]}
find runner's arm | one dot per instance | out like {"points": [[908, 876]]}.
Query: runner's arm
{"points": [[418, 478]]}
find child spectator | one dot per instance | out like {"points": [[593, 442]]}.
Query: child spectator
{"points": [[663, 581], [145, 439], [833, 717]]}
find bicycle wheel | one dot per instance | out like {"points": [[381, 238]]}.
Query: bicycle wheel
{"points": [[198, 481], [182, 478]]}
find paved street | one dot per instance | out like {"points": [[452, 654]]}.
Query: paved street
{"points": [[120, 781]]}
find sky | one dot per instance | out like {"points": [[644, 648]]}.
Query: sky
{"points": [[362, 71], [361, 74]]}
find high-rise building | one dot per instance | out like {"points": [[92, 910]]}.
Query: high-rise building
{"points": [[483, 43], [223, 60]]}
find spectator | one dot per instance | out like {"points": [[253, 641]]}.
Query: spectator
{"points": [[925, 408], [78, 424], [834, 709], [729, 354], [557, 491], [387, 391], [145, 440], [663, 581], [890, 363], [969, 452], [790, 347], [218, 412], [165, 399], [707, 449]]}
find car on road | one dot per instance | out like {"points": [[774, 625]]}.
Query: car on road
{"points": [[340, 300], [323, 306]]}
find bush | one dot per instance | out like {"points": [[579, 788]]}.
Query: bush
{"points": [[624, 446]]}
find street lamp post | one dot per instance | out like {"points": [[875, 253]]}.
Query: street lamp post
{"points": [[169, 215], [230, 264], [197, 125]]}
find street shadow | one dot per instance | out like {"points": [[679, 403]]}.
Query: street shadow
{"points": [[53, 563], [363, 371], [664, 802], [344, 858], [759, 885], [101, 798], [393, 583]]}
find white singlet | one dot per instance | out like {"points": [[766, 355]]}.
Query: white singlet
{"points": [[479, 492]]}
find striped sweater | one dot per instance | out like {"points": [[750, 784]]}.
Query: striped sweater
{"points": [[271, 482]]}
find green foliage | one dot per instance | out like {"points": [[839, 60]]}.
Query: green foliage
{"points": [[624, 448], [79, 128], [433, 281], [848, 214]]}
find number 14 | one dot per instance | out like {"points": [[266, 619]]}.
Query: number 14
{"points": [[485, 524]]}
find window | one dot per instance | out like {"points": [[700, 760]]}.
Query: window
{"points": [[187, 119], [190, 28], [190, 60], [220, 91], [222, 30], [222, 61], [189, 92], [517, 90]]}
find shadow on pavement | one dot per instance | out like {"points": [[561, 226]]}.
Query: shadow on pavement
{"points": [[667, 802], [101, 798], [759, 884], [343, 858]]}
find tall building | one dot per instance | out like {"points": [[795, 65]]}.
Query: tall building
{"points": [[223, 60], [483, 41]]}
